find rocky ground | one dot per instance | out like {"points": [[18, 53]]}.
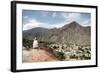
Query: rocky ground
{"points": [[37, 55]]}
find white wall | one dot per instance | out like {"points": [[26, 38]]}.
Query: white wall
{"points": [[5, 36]]}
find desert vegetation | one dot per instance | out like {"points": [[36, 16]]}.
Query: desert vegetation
{"points": [[64, 51], [71, 51]]}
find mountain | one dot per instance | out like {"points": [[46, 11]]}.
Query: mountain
{"points": [[38, 32], [70, 33]]}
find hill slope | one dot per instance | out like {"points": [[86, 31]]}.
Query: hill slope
{"points": [[70, 33]]}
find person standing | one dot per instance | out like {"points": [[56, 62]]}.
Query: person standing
{"points": [[35, 43]]}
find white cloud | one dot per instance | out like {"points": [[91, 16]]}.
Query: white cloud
{"points": [[71, 16], [25, 17], [35, 23], [32, 23], [44, 13], [86, 23], [65, 15], [75, 17], [57, 25], [54, 14]]}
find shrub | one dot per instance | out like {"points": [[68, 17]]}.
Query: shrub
{"points": [[27, 43], [73, 56], [60, 56]]}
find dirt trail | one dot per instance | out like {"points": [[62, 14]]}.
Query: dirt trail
{"points": [[38, 55]]}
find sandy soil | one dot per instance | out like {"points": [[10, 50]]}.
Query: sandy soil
{"points": [[38, 55]]}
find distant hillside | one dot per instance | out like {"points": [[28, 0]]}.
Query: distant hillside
{"points": [[70, 33]]}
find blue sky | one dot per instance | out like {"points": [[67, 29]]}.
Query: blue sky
{"points": [[53, 19]]}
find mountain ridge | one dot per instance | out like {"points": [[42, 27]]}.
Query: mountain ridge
{"points": [[69, 33]]}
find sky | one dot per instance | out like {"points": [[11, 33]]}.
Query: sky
{"points": [[52, 19]]}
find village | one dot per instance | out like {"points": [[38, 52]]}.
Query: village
{"points": [[58, 52], [70, 52]]}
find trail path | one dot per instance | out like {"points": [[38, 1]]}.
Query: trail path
{"points": [[38, 55]]}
